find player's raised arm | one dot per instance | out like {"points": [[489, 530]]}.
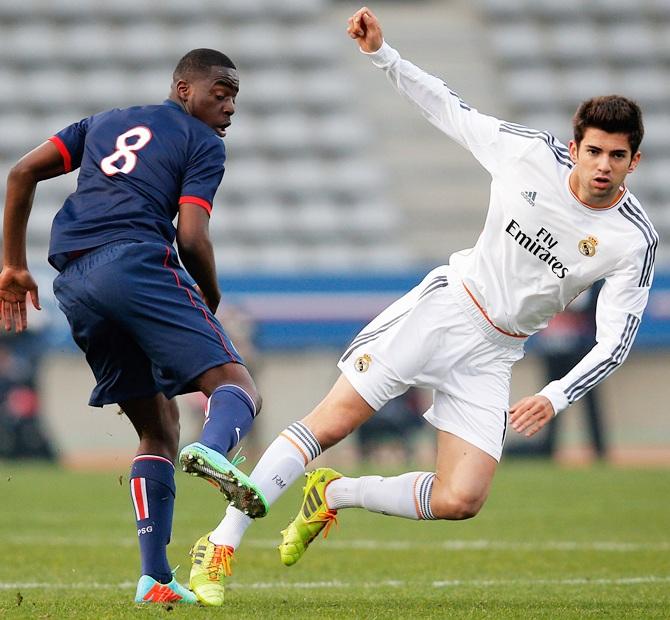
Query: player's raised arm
{"points": [[441, 106], [16, 282], [363, 26]]}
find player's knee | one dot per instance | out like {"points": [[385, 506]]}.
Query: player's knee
{"points": [[455, 504], [329, 437], [330, 433], [258, 401]]}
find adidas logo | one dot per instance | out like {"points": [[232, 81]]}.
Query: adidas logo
{"points": [[529, 197]]}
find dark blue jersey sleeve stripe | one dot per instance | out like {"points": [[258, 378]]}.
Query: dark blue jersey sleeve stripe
{"points": [[461, 103], [637, 217], [584, 383], [560, 152]]}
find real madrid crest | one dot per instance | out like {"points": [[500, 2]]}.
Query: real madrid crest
{"points": [[363, 363], [588, 246]]}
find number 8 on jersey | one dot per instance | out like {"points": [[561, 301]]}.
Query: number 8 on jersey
{"points": [[126, 151]]}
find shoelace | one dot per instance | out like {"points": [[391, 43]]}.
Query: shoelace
{"points": [[330, 517], [221, 558], [238, 459]]}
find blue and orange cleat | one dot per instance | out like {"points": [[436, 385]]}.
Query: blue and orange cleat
{"points": [[151, 591]]}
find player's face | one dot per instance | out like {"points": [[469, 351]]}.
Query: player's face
{"points": [[211, 98], [602, 161]]}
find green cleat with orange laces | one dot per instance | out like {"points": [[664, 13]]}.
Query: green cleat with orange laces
{"points": [[314, 516], [210, 564]]}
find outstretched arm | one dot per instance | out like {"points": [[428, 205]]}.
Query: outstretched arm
{"points": [[16, 282], [441, 106], [363, 26]]}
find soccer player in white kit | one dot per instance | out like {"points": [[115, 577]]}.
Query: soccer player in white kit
{"points": [[559, 219]]}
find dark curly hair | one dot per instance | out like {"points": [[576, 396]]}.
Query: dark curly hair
{"points": [[199, 62], [613, 114]]}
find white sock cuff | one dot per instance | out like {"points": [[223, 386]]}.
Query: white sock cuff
{"points": [[303, 439], [231, 529], [423, 490]]}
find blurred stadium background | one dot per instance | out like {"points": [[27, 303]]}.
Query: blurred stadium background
{"points": [[334, 200]]}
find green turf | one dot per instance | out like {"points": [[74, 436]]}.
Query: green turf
{"points": [[550, 543]]}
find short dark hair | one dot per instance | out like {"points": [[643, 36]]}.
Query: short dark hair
{"points": [[199, 62], [613, 114]]}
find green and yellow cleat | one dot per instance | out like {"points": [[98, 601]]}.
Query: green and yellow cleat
{"points": [[210, 564], [199, 460], [313, 517]]}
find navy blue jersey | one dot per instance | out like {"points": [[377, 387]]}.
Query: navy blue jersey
{"points": [[137, 166]]}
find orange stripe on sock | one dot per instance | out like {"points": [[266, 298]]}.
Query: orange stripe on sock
{"points": [[304, 456], [416, 501]]}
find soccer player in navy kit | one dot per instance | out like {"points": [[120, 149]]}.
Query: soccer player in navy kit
{"points": [[145, 322]]}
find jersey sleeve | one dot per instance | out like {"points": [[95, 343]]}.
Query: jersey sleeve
{"points": [[621, 302], [203, 174], [70, 142], [477, 132]]}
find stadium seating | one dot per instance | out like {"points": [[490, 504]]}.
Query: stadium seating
{"points": [[299, 177], [294, 192]]}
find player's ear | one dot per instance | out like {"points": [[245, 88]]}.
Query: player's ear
{"points": [[183, 89], [634, 161], [573, 147]]}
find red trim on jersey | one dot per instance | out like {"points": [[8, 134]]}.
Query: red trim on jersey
{"points": [[196, 201], [190, 296], [486, 316], [65, 154]]}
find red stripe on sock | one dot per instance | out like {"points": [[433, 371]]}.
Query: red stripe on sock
{"points": [[140, 499]]}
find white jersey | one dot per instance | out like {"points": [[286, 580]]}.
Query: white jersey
{"points": [[540, 246]]}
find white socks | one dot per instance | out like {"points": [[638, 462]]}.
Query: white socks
{"points": [[282, 464], [407, 495]]}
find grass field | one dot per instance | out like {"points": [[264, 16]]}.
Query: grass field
{"points": [[550, 543]]}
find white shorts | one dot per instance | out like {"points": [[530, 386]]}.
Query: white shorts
{"points": [[435, 337]]}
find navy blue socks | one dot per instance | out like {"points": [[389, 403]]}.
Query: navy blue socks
{"points": [[152, 490], [229, 416]]}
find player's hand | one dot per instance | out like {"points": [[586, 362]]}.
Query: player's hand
{"points": [[212, 301], [15, 286], [363, 26], [530, 414]]}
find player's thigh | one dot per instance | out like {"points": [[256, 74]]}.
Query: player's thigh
{"points": [[471, 376], [463, 477], [390, 354], [341, 412], [121, 369], [161, 308]]}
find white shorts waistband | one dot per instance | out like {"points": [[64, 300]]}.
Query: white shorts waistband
{"points": [[478, 317]]}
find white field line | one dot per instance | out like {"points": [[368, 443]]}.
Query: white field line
{"points": [[377, 545], [316, 585]]}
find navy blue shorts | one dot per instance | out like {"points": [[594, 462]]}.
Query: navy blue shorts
{"points": [[134, 311]]}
